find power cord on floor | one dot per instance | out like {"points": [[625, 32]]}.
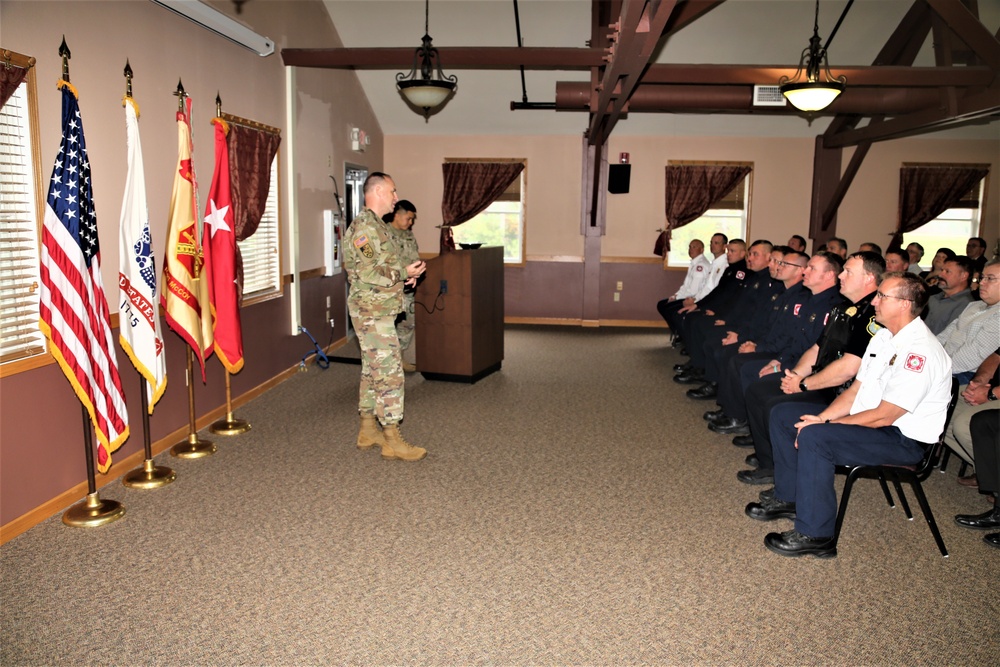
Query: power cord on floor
{"points": [[321, 359]]}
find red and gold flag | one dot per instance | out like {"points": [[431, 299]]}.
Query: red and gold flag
{"points": [[184, 291]]}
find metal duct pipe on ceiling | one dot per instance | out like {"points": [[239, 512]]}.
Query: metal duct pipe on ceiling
{"points": [[576, 96]]}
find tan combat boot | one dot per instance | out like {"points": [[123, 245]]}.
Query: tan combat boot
{"points": [[394, 447], [408, 367], [369, 435]]}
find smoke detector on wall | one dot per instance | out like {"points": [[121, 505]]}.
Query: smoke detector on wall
{"points": [[359, 140]]}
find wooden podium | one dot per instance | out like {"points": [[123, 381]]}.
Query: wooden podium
{"points": [[461, 340]]}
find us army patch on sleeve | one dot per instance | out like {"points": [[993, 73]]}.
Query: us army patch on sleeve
{"points": [[364, 246]]}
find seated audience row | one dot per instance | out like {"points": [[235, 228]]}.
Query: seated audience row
{"points": [[789, 341]]}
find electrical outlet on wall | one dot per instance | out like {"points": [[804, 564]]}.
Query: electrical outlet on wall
{"points": [[618, 296]]}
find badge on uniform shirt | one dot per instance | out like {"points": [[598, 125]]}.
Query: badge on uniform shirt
{"points": [[699, 268], [812, 318], [740, 275], [362, 244], [852, 311], [915, 362], [893, 360], [798, 307], [873, 326]]}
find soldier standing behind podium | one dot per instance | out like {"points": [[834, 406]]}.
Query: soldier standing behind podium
{"points": [[377, 277], [401, 220]]}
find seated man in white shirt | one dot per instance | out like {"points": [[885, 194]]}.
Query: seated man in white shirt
{"points": [[698, 271], [976, 332], [896, 405]]}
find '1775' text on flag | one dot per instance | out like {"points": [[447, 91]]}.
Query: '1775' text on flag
{"points": [[139, 320]]}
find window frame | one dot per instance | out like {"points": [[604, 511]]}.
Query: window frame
{"points": [[42, 358], [523, 176], [746, 211]]}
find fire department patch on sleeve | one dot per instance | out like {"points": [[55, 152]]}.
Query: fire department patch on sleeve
{"points": [[915, 362], [798, 307]]}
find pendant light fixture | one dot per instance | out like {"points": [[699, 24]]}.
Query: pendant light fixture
{"points": [[819, 88], [426, 93]]}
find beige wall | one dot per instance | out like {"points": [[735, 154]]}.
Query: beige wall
{"points": [[163, 48], [782, 181]]}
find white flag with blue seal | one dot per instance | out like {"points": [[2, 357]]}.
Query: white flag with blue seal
{"points": [[139, 317]]}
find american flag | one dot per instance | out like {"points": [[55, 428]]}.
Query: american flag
{"points": [[74, 311]]}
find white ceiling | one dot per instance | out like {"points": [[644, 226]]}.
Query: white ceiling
{"points": [[746, 32]]}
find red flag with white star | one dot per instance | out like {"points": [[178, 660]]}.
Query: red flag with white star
{"points": [[220, 258]]}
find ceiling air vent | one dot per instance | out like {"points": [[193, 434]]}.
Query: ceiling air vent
{"points": [[768, 96]]}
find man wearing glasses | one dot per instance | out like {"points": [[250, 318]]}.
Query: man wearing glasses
{"points": [[896, 405], [824, 370], [976, 332]]}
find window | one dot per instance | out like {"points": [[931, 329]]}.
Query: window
{"points": [[502, 223], [261, 252], [730, 216], [20, 202], [953, 228]]}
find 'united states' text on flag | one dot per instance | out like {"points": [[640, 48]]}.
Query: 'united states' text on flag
{"points": [[139, 317]]}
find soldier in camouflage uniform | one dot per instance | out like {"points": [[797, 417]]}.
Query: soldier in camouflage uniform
{"points": [[400, 225], [377, 277]]}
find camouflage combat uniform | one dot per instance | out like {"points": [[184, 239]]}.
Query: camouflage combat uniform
{"points": [[406, 249], [375, 298]]}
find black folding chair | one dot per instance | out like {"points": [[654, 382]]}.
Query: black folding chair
{"points": [[912, 475]]}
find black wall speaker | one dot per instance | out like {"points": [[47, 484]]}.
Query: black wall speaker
{"points": [[618, 178]]}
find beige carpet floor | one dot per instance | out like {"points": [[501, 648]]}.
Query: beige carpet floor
{"points": [[573, 510]]}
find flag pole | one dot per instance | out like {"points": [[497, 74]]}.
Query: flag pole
{"points": [[230, 425], [93, 510], [150, 475], [193, 447]]}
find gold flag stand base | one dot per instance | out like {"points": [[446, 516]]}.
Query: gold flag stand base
{"points": [[149, 476], [194, 448], [230, 426], [93, 511]]}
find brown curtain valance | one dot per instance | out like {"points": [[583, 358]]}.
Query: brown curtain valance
{"points": [[927, 192], [469, 188], [11, 75], [251, 152], [691, 189]]}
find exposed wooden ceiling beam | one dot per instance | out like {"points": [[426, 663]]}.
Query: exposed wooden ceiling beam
{"points": [[906, 77], [453, 57], [969, 29], [641, 26], [968, 108]]}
